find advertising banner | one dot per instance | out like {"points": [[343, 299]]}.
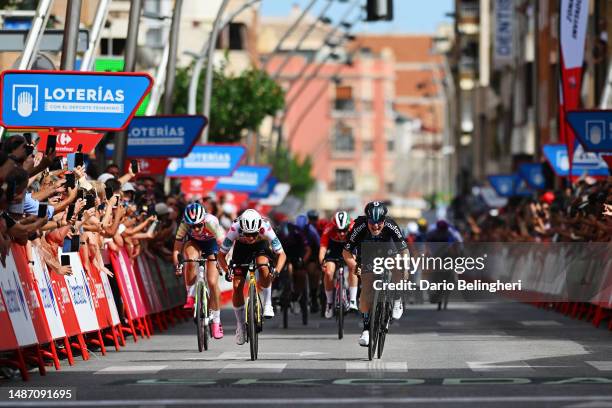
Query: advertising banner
{"points": [[197, 186], [68, 142], [80, 294], [591, 164], [503, 48], [207, 160], [509, 185], [277, 196], [533, 174], [125, 275], [266, 189], [245, 179], [49, 301], [593, 129], [149, 167]]}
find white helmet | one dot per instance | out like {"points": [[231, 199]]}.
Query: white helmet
{"points": [[342, 220], [250, 221]]}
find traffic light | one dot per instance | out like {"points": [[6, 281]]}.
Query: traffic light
{"points": [[379, 10]]}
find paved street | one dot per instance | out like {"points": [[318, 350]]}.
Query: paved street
{"points": [[486, 354]]}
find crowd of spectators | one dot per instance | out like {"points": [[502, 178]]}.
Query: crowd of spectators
{"points": [[579, 214]]}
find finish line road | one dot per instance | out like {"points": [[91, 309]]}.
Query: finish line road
{"points": [[474, 354]]}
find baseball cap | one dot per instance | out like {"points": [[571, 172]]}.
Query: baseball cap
{"points": [[128, 187], [104, 177], [162, 209]]}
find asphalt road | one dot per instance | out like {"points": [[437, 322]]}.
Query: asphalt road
{"points": [[499, 354]]}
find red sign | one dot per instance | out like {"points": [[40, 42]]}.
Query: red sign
{"points": [[197, 186], [150, 167], [67, 142], [608, 159]]}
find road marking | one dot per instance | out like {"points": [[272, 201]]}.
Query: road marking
{"points": [[130, 369], [543, 323], [236, 355], [454, 323], [601, 365], [378, 366], [312, 401], [255, 366], [480, 366]]}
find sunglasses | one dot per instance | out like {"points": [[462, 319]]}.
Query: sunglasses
{"points": [[198, 226], [380, 223], [251, 234]]}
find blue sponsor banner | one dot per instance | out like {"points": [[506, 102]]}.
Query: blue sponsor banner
{"points": [[207, 161], [266, 188], [162, 136], [589, 163], [245, 179], [509, 185], [71, 100], [593, 129], [533, 174]]}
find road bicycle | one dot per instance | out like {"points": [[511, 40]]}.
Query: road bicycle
{"points": [[382, 309], [201, 314], [340, 294]]}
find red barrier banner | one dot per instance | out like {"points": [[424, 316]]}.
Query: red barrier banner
{"points": [[80, 294], [66, 308], [144, 275], [125, 276], [50, 302], [156, 281], [112, 306], [68, 142], [97, 292]]}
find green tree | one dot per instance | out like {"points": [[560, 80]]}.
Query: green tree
{"points": [[239, 102], [289, 169]]}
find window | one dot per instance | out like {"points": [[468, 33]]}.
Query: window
{"points": [[343, 138], [112, 46], [344, 180], [344, 99], [233, 37], [368, 146]]}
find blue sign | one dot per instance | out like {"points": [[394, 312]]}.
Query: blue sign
{"points": [[207, 160], [71, 100], [245, 179], [266, 188], [162, 136], [533, 174], [509, 185], [591, 164], [593, 129]]}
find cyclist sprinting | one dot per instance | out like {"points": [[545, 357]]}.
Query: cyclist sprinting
{"points": [[332, 242], [375, 226], [197, 237], [296, 247], [251, 236], [311, 266]]}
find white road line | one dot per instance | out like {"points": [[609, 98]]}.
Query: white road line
{"points": [[543, 323], [601, 365], [130, 369], [376, 366], [479, 366], [254, 366], [311, 401], [454, 323]]}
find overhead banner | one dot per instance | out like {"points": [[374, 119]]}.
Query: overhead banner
{"points": [[278, 195], [245, 179], [573, 21], [207, 160], [503, 49], [68, 142], [533, 174], [593, 129], [162, 136], [591, 164], [71, 100], [266, 188], [509, 185]]}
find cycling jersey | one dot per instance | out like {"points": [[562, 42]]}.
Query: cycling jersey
{"points": [[265, 233], [211, 230], [293, 240], [332, 233], [360, 233]]}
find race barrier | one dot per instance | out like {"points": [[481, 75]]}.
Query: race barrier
{"points": [[46, 317], [572, 278]]}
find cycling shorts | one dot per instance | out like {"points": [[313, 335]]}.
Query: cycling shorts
{"points": [[245, 253], [206, 247]]}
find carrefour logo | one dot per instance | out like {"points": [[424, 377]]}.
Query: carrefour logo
{"points": [[25, 99]]}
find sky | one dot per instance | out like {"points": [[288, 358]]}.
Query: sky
{"points": [[411, 16]]}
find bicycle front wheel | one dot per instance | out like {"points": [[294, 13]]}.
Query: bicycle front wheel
{"points": [[384, 327], [252, 321], [340, 307], [201, 317], [374, 325]]}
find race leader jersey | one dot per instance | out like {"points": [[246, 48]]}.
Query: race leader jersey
{"points": [[360, 233], [211, 230], [265, 233]]}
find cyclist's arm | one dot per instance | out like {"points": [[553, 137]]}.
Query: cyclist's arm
{"points": [[181, 232], [226, 245], [212, 224], [277, 247], [324, 244], [322, 252]]}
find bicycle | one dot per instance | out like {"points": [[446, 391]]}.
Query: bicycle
{"points": [[340, 297], [381, 317], [201, 315], [253, 310]]}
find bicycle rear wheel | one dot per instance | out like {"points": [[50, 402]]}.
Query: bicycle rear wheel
{"points": [[340, 306], [252, 321], [201, 316], [304, 299]]}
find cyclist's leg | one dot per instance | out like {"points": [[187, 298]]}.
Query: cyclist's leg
{"points": [[265, 283], [365, 305], [190, 251], [314, 275], [209, 250], [240, 256], [329, 268]]}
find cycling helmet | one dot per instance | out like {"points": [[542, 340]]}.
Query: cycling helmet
{"points": [[194, 214], [342, 220], [301, 221], [250, 221], [313, 215], [375, 211]]}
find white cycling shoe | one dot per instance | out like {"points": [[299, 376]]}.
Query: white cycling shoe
{"points": [[398, 309], [329, 311], [268, 311], [240, 335], [364, 340], [353, 305]]}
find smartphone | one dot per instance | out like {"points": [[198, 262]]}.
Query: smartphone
{"points": [[67, 245], [90, 201], [71, 157], [65, 260], [101, 207], [70, 180], [28, 137], [51, 142], [79, 148], [70, 212], [134, 164], [29, 149], [80, 194], [108, 192], [75, 243], [57, 164], [42, 210], [78, 159]]}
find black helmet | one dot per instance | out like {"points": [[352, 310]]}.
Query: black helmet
{"points": [[376, 211], [312, 215]]}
